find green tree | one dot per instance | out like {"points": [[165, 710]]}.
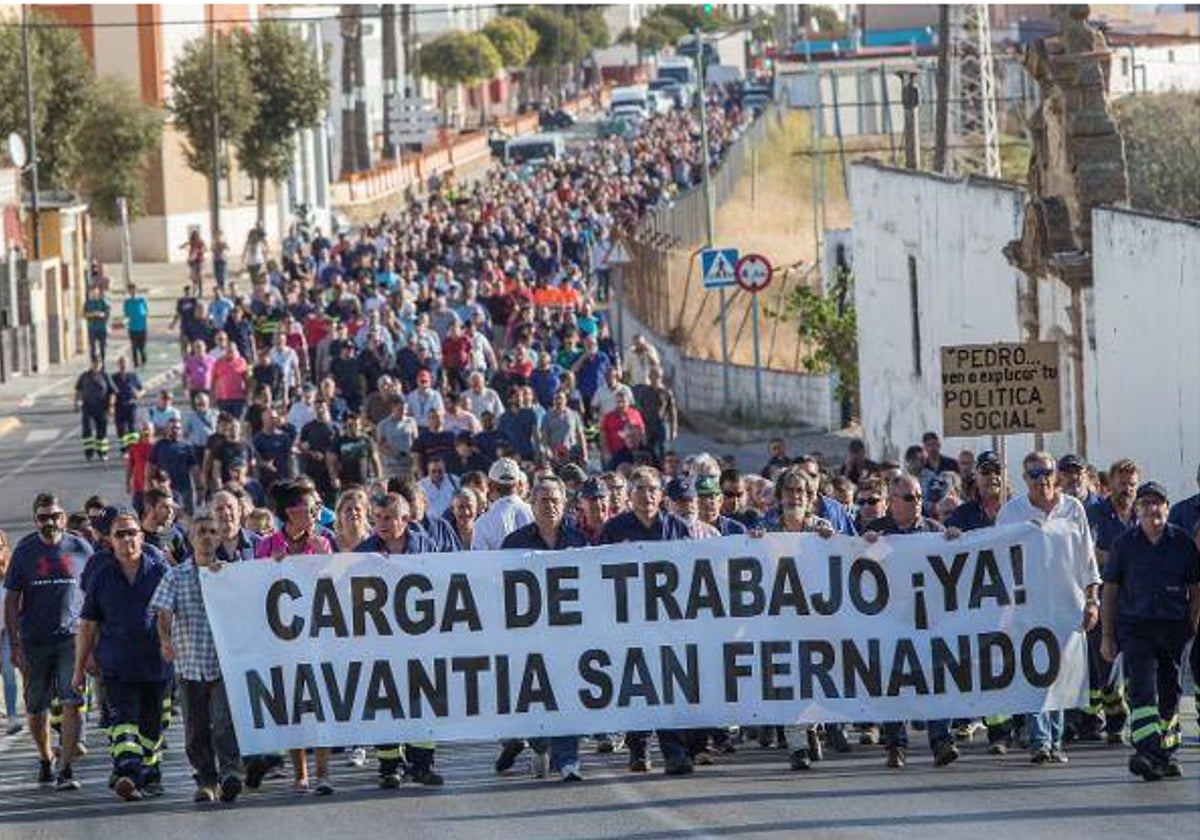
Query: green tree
{"points": [[829, 329], [193, 104], [514, 40], [119, 131], [827, 19], [290, 94], [561, 40], [1162, 151], [459, 58], [694, 16], [62, 85], [595, 28], [657, 31]]}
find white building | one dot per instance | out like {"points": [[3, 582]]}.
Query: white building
{"points": [[929, 272]]}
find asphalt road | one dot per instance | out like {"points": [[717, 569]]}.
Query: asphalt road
{"points": [[750, 794]]}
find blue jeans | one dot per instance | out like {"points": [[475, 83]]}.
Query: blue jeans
{"points": [[1045, 730], [672, 742], [564, 749], [895, 734], [8, 674]]}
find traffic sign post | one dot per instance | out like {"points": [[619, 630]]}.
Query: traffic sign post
{"points": [[753, 274], [718, 267], [411, 121]]}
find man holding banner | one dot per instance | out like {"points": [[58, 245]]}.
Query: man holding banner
{"points": [[647, 522], [1044, 501]]}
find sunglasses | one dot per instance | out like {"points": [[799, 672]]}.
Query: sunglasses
{"points": [[910, 497], [49, 517], [989, 469], [868, 500], [126, 534], [733, 494], [1038, 473]]}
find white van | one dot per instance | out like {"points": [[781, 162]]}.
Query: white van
{"points": [[625, 98], [535, 148]]}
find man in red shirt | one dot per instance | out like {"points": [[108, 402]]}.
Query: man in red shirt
{"points": [[456, 355], [137, 455], [617, 427]]}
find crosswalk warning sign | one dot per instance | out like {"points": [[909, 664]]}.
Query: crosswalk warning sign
{"points": [[717, 267]]}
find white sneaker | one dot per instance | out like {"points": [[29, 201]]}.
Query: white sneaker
{"points": [[572, 773], [539, 764], [357, 757]]}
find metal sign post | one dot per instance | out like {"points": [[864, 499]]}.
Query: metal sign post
{"points": [[753, 273]]}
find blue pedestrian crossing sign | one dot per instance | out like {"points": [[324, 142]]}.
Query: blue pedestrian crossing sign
{"points": [[718, 267]]}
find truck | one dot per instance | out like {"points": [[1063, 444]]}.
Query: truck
{"points": [[724, 49]]}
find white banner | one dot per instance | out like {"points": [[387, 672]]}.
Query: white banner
{"points": [[362, 649]]}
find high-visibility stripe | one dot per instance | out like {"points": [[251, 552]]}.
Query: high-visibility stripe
{"points": [[389, 755], [424, 745], [123, 747], [119, 729], [997, 720], [1143, 712], [1144, 732], [1166, 725], [1170, 740]]}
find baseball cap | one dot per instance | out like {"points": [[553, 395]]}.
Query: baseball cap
{"points": [[679, 489], [594, 488], [708, 485], [987, 458], [1152, 488], [1071, 462], [504, 471], [110, 514]]}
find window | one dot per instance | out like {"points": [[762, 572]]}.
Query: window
{"points": [[1124, 66], [915, 313], [1170, 56]]}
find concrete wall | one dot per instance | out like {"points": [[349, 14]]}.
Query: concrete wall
{"points": [[1155, 69], [1144, 391], [793, 398], [1141, 382], [965, 292]]}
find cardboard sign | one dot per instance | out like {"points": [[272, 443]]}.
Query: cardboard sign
{"points": [[1000, 389]]}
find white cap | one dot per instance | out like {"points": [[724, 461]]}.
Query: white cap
{"points": [[504, 471]]}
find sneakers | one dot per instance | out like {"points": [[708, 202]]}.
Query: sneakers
{"points": [[154, 788], [389, 781], [967, 731], [571, 772], [231, 787], [605, 745], [816, 750], [998, 748], [428, 778], [357, 757], [45, 772], [1139, 765], [639, 765], [704, 758], [508, 755], [838, 739], [66, 780], [203, 795], [680, 767], [1115, 739], [945, 754], [800, 760], [322, 787], [1172, 769], [1042, 755], [1058, 756], [868, 736], [127, 789], [897, 757]]}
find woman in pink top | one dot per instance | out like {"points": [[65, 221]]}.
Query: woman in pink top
{"points": [[198, 369], [297, 506], [229, 382]]}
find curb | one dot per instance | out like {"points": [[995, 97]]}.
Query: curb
{"points": [[9, 424]]}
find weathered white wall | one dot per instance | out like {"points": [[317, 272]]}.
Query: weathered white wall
{"points": [[1144, 389], [967, 293], [1155, 69]]}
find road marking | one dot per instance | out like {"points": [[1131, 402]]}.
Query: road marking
{"points": [[27, 463], [42, 435], [29, 399]]}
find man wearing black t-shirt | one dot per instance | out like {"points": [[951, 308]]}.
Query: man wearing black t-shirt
{"points": [[354, 458], [317, 440]]}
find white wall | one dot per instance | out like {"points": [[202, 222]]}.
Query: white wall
{"points": [[1145, 387], [966, 292], [1158, 68]]}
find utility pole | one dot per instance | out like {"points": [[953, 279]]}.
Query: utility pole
{"points": [[31, 127], [942, 115], [973, 130], [391, 75], [710, 211], [911, 98], [214, 70]]}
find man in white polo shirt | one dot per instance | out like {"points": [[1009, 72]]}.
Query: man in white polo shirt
{"points": [[508, 511], [1045, 501]]}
